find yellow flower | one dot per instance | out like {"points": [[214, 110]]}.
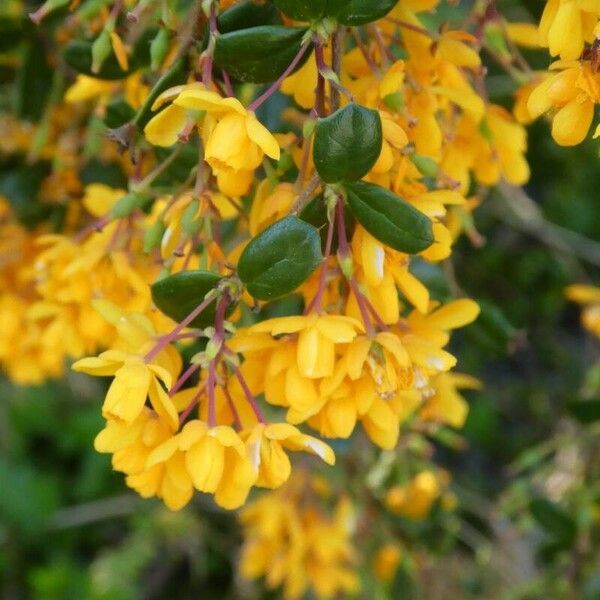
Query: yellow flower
{"points": [[270, 203], [415, 499], [87, 88], [317, 339], [134, 379], [266, 444], [296, 545], [238, 140], [386, 561], [447, 405], [215, 460], [131, 444], [573, 91]]}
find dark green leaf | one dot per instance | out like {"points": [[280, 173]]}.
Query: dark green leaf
{"points": [[96, 171], [347, 143], [12, 31], [302, 10], [118, 112], [34, 82], [360, 12], [21, 185], [179, 294], [283, 307], [585, 411], [258, 54], [281, 258], [315, 213], [389, 218], [554, 520], [244, 15]]}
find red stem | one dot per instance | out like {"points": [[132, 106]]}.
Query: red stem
{"points": [[273, 88], [362, 306], [188, 373], [227, 82], [167, 339], [188, 409], [318, 299], [210, 393], [234, 412], [249, 396]]}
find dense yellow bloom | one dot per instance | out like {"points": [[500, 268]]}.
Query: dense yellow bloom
{"points": [[566, 25], [298, 546], [214, 458], [131, 444], [317, 339], [573, 92]]}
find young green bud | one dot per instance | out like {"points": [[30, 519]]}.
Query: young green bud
{"points": [[427, 166], [127, 204], [153, 236], [101, 49], [159, 48]]}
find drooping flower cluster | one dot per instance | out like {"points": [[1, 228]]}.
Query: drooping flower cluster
{"points": [[293, 542]]}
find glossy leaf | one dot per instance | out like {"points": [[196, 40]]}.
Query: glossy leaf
{"points": [[360, 12], [281, 258], [179, 294], [315, 213], [258, 54], [389, 218], [347, 143], [244, 15], [302, 10]]}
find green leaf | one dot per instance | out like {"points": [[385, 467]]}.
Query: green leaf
{"points": [[244, 15], [554, 520], [20, 184], [118, 112], [360, 12], [281, 258], [12, 32], [179, 294], [347, 143], [585, 411], [34, 82], [389, 218], [302, 10], [315, 213], [258, 54]]}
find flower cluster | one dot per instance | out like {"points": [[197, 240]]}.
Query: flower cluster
{"points": [[293, 543], [248, 263]]}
